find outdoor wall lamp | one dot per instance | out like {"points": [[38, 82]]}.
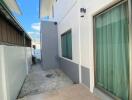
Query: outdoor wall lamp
{"points": [[83, 11]]}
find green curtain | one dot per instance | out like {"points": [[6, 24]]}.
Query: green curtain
{"points": [[63, 44], [112, 51], [66, 43], [69, 45]]}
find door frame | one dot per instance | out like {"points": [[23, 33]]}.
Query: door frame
{"points": [[130, 48], [106, 9]]}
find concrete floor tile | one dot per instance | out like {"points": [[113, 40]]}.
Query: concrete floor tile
{"points": [[37, 81], [70, 93]]}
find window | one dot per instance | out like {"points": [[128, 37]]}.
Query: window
{"points": [[66, 44], [112, 51]]}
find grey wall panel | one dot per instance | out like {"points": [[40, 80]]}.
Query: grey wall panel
{"points": [[85, 76], [70, 68], [49, 45]]}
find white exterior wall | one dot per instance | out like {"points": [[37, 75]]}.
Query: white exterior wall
{"points": [[62, 8], [86, 27], [13, 70], [67, 14]]}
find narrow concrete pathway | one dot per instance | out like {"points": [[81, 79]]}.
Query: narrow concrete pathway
{"points": [[75, 92], [43, 81]]}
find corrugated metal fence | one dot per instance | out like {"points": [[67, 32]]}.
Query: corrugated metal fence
{"points": [[9, 34]]}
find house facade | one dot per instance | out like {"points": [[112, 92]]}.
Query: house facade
{"points": [[15, 52], [94, 44]]}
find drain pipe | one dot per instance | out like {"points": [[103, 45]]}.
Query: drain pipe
{"points": [[80, 60]]}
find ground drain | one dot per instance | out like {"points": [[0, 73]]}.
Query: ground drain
{"points": [[74, 83], [49, 75]]}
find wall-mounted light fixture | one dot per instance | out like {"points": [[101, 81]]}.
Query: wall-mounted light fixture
{"points": [[83, 11]]}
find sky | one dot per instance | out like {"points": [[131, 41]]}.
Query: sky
{"points": [[29, 19]]}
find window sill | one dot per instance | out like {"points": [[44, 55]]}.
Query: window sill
{"points": [[66, 59]]}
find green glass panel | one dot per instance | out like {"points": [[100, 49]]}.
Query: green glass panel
{"points": [[66, 41], [112, 51], [64, 47], [69, 45]]}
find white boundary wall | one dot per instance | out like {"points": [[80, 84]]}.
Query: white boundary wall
{"points": [[13, 70]]}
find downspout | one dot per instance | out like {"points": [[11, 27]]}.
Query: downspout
{"points": [[80, 60]]}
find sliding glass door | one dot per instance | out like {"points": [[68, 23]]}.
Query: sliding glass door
{"points": [[112, 51]]}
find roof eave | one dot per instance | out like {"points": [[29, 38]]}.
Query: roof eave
{"points": [[13, 6], [45, 8], [13, 19]]}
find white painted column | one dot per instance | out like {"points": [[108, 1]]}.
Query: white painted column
{"points": [[26, 58], [3, 70]]}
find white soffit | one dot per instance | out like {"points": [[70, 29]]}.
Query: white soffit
{"points": [[13, 6], [46, 8]]}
